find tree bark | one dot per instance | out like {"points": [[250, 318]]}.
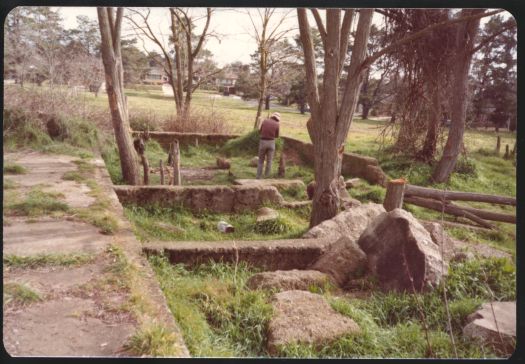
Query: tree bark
{"points": [[330, 121], [465, 38], [114, 75], [428, 152], [267, 102]]}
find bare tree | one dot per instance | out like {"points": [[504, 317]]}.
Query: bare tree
{"points": [[331, 116], [180, 68], [110, 28], [267, 31]]}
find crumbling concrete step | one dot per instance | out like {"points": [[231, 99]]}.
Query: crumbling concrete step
{"points": [[269, 255], [277, 183], [53, 236]]}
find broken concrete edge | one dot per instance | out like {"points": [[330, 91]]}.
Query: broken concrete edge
{"points": [[213, 198], [353, 164], [286, 254], [158, 311]]}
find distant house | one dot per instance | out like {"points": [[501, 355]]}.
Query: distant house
{"points": [[226, 83], [155, 76]]}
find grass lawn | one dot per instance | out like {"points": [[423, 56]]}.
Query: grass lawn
{"points": [[220, 317]]}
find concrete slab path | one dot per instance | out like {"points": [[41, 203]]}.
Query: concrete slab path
{"points": [[78, 309]]}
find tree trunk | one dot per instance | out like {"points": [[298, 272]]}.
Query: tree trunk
{"points": [[366, 110], [330, 121], [429, 147], [262, 91], [267, 102], [114, 75], [465, 37]]}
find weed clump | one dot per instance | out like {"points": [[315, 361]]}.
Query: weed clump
{"points": [[38, 203], [14, 169], [466, 167], [19, 294], [47, 259], [154, 340], [272, 226]]}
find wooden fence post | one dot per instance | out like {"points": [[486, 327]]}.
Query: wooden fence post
{"points": [[161, 172], [498, 144], [507, 152], [395, 190], [176, 164], [140, 147]]}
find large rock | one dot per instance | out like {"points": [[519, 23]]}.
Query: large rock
{"points": [[343, 260], [350, 223], [484, 325], [441, 239], [284, 280], [223, 163], [304, 317], [266, 213], [401, 253]]}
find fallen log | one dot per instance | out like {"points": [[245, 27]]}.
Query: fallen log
{"points": [[492, 216], [447, 208], [458, 225], [417, 191]]}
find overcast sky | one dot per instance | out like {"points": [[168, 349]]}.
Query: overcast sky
{"points": [[234, 30], [232, 27]]}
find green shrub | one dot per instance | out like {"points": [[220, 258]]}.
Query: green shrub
{"points": [[143, 121], [272, 226], [466, 167]]}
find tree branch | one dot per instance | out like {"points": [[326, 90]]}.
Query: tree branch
{"points": [[345, 37], [411, 37], [488, 39], [203, 35], [309, 62], [320, 26]]}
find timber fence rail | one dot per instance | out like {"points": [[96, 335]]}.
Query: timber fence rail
{"points": [[399, 192]]}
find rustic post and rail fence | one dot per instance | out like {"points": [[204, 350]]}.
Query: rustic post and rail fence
{"points": [[399, 192]]}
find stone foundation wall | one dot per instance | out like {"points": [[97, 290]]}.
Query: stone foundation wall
{"points": [[199, 198], [269, 255], [165, 138], [354, 165]]}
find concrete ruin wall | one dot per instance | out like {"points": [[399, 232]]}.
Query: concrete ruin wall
{"points": [[165, 138], [354, 165], [269, 255], [198, 198]]}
